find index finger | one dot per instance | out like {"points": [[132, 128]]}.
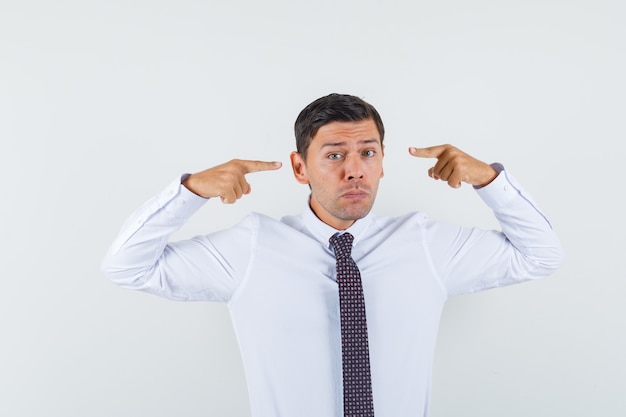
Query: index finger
{"points": [[429, 152], [258, 166]]}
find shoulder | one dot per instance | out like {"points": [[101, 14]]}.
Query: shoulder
{"points": [[412, 219], [294, 222], [269, 224]]}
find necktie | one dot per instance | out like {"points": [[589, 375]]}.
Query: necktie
{"points": [[357, 380]]}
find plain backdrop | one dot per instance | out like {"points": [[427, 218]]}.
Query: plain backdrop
{"points": [[103, 103]]}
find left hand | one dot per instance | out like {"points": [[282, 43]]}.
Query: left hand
{"points": [[455, 166]]}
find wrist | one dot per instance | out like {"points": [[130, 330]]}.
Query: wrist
{"points": [[188, 182], [492, 172]]}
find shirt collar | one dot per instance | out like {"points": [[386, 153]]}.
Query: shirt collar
{"points": [[323, 232]]}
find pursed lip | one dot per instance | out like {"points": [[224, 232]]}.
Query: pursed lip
{"points": [[356, 193]]}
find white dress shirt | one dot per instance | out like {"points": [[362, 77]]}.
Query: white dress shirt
{"points": [[278, 280]]}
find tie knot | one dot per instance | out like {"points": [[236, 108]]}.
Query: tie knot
{"points": [[342, 244]]}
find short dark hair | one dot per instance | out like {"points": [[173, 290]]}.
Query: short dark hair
{"points": [[332, 108]]}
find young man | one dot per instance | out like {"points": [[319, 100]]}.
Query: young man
{"points": [[280, 282]]}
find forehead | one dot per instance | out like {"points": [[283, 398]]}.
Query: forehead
{"points": [[347, 131]]}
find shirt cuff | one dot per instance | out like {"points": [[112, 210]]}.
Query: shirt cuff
{"points": [[178, 201], [499, 192]]}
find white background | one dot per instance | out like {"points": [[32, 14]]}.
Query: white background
{"points": [[102, 103]]}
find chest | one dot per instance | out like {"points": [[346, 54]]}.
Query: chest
{"points": [[296, 285]]}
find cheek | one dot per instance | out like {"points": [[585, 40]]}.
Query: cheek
{"points": [[321, 182], [320, 173], [376, 171]]}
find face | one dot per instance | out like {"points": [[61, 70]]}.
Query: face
{"points": [[343, 166]]}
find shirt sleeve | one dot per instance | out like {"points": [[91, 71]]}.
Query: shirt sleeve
{"points": [[471, 259], [205, 268]]}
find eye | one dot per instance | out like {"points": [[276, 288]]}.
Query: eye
{"points": [[334, 156], [369, 152]]}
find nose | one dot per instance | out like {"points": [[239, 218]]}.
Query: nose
{"points": [[353, 168]]}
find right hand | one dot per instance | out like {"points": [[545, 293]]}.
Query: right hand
{"points": [[228, 180]]}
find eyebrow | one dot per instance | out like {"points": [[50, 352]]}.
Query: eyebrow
{"points": [[361, 142]]}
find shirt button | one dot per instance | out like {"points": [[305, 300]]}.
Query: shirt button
{"points": [[506, 188]]}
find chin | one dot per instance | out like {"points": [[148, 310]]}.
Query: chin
{"points": [[356, 214]]}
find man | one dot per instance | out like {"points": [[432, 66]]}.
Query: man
{"points": [[279, 278]]}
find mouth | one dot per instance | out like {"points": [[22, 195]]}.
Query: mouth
{"points": [[355, 194]]}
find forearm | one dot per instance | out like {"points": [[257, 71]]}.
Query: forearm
{"points": [[145, 234], [470, 259], [525, 226]]}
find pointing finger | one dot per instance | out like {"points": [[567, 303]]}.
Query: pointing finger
{"points": [[429, 152], [258, 166]]}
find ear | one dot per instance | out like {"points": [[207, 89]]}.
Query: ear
{"points": [[299, 168]]}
